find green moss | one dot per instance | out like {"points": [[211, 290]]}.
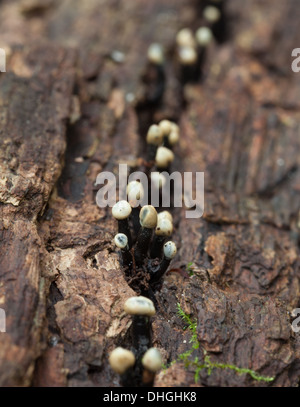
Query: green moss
{"points": [[189, 361], [189, 269]]}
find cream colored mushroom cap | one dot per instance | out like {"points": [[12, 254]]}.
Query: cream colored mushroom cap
{"points": [[121, 240], [170, 250], [185, 38], [158, 180], [139, 306], [135, 193], [164, 157], [164, 227], [204, 36], [187, 55], [165, 127], [121, 210], [121, 359], [152, 360], [155, 54], [211, 14], [148, 217], [164, 214], [154, 135]]}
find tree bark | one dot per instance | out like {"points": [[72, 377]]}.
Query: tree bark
{"points": [[71, 107]]}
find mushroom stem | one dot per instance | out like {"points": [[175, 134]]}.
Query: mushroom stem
{"points": [[154, 139], [121, 241], [188, 59], [155, 79], [141, 334], [142, 245], [148, 221], [123, 227], [141, 309], [169, 253], [135, 192], [157, 245], [163, 229], [135, 219]]}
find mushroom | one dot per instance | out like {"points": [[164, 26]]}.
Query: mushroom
{"points": [[135, 193], [187, 55], [188, 60], [164, 157], [154, 139], [211, 14], [121, 360], [155, 54], [121, 211], [174, 134], [152, 363], [165, 214], [148, 221], [185, 38], [121, 241], [163, 229], [165, 127], [170, 251], [204, 36], [158, 180], [152, 360], [141, 309], [139, 306]]}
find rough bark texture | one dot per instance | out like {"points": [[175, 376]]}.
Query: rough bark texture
{"points": [[69, 110]]}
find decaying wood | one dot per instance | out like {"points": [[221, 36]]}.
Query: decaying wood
{"points": [[69, 110]]}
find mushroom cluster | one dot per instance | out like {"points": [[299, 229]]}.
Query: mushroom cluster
{"points": [[191, 50], [137, 366], [143, 230], [146, 252]]}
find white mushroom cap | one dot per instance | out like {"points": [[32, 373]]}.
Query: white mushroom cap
{"points": [[173, 137], [170, 250], [185, 38], [204, 36], [135, 192], [121, 359], [164, 214], [187, 55], [154, 135], [152, 360], [164, 157], [165, 127], [139, 306], [121, 210], [148, 217], [164, 227], [121, 240], [158, 179], [211, 14], [156, 54], [175, 127]]}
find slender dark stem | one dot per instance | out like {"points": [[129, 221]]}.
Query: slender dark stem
{"points": [[135, 219], [157, 273], [189, 74], [142, 245], [157, 246], [141, 335], [123, 227], [151, 152], [127, 258]]}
